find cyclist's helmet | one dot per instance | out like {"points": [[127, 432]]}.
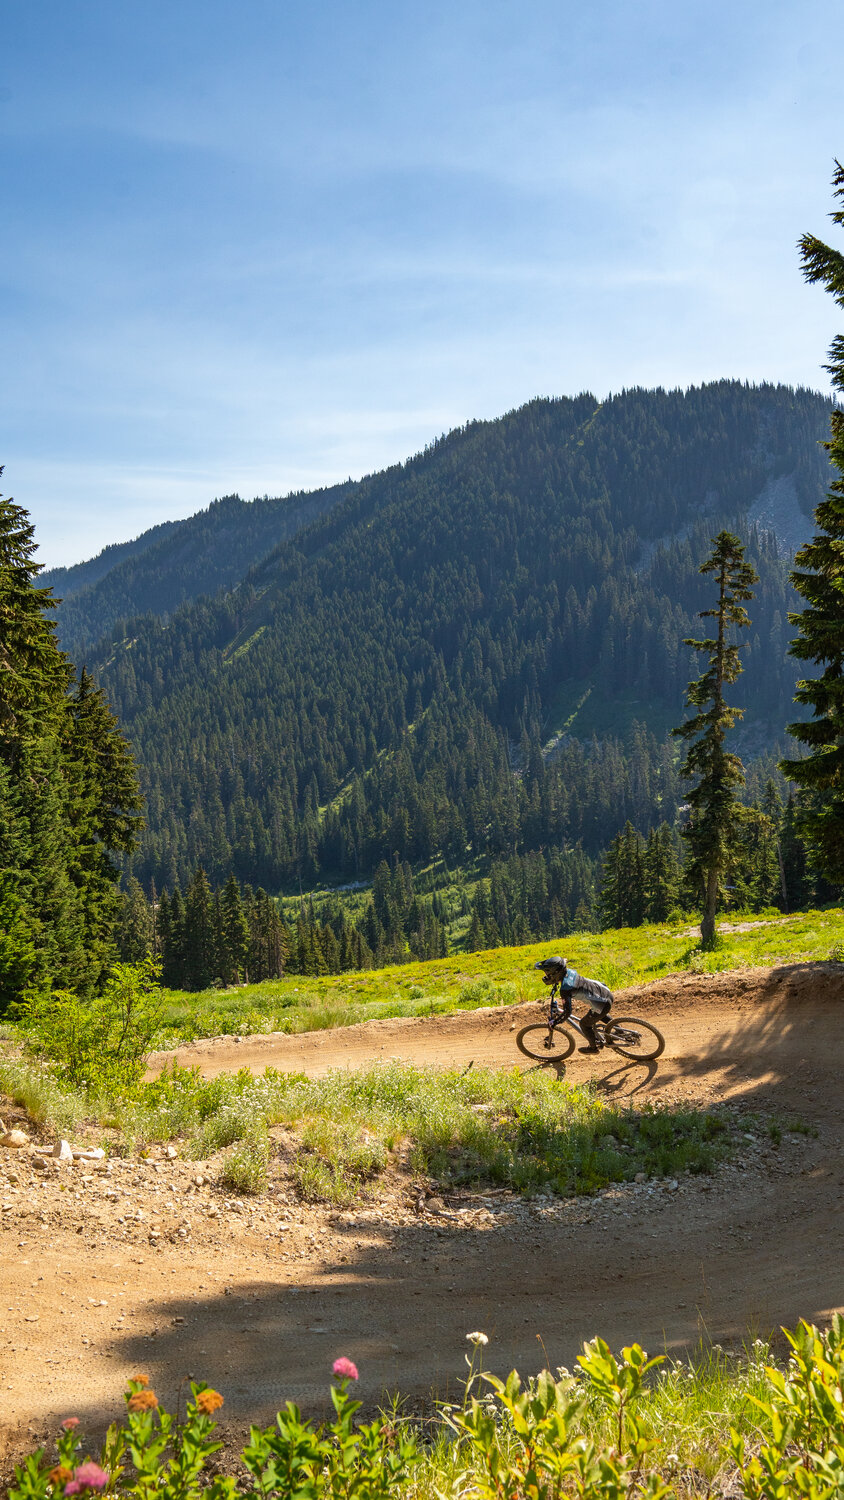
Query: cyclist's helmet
{"points": [[553, 969]]}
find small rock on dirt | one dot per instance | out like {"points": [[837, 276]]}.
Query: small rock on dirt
{"points": [[14, 1139], [62, 1151]]}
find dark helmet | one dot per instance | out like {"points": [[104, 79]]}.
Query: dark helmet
{"points": [[553, 969]]}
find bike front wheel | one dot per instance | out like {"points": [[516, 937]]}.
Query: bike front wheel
{"points": [[634, 1038], [545, 1043]]}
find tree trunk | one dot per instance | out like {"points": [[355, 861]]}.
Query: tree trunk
{"points": [[707, 926]]}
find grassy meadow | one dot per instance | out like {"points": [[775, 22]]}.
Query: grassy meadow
{"points": [[496, 976]]}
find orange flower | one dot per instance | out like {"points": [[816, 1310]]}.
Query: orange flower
{"points": [[209, 1402], [60, 1475], [139, 1379], [143, 1401]]}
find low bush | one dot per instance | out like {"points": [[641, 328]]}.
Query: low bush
{"points": [[619, 1426], [244, 1168], [99, 1043]]}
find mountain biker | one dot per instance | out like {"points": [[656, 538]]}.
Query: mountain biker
{"points": [[556, 972]]}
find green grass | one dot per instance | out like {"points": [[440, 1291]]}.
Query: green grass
{"points": [[523, 1131], [47, 1101], [498, 976], [526, 1132], [579, 709]]}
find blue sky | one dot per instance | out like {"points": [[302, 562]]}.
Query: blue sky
{"points": [[265, 245]]}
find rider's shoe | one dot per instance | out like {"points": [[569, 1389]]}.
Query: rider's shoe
{"points": [[591, 1048]]}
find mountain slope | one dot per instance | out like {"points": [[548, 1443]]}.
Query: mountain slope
{"points": [[176, 562], [66, 582], [386, 681]]}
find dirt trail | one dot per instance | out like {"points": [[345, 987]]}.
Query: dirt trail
{"points": [[259, 1299]]}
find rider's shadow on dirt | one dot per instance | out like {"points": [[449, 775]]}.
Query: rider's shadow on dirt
{"points": [[629, 1078]]}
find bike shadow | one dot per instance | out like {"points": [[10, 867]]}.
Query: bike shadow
{"points": [[629, 1078]]}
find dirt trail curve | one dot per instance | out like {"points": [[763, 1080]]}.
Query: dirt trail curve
{"points": [[259, 1300]]}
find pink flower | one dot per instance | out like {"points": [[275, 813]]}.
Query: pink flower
{"points": [[88, 1476], [345, 1369], [70, 1422]]}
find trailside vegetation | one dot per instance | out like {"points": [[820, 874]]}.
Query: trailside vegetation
{"points": [[69, 799], [618, 1425], [819, 578], [713, 804]]}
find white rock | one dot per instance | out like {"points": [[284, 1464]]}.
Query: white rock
{"points": [[88, 1153], [62, 1151], [14, 1139], [171, 1153]]}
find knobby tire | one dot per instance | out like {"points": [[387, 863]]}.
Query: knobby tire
{"points": [[652, 1042], [536, 1042]]}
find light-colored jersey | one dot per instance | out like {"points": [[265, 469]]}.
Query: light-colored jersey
{"points": [[595, 994]]}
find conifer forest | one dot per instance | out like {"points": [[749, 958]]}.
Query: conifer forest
{"points": [[428, 711]]}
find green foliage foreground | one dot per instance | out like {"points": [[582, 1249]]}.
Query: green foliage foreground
{"points": [[614, 1429]]}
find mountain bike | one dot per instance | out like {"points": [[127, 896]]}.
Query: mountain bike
{"points": [[551, 1040]]}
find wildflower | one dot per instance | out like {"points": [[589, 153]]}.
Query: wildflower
{"points": [[345, 1368], [69, 1423], [209, 1402], [143, 1401], [477, 1338], [60, 1475], [140, 1379], [88, 1476]]}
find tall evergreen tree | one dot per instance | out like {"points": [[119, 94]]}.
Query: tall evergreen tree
{"points": [[819, 577], [712, 800], [661, 874], [200, 946], [136, 931], [621, 900], [235, 932], [69, 802]]}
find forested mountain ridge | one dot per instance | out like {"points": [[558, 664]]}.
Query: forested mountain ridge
{"points": [[176, 562], [385, 682]]}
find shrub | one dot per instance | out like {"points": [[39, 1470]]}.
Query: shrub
{"points": [[100, 1044], [337, 1461]]}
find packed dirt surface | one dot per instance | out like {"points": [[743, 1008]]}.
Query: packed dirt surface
{"points": [[148, 1265]]}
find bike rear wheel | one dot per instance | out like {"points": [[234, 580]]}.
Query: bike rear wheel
{"points": [[545, 1043], [634, 1038]]}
